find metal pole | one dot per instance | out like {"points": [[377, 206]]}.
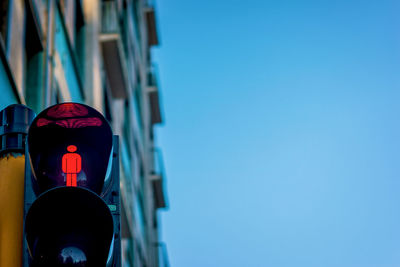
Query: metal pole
{"points": [[14, 123]]}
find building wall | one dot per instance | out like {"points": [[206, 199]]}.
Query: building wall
{"points": [[95, 52]]}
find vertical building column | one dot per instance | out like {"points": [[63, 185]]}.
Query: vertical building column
{"points": [[49, 52], [93, 81], [15, 53]]}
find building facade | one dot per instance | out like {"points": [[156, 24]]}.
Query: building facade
{"points": [[96, 52]]}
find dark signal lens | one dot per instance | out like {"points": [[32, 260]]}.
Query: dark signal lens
{"points": [[69, 226]]}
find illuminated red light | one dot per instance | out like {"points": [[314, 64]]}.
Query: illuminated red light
{"points": [[71, 165], [72, 148]]}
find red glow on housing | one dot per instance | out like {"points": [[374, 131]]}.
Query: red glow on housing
{"points": [[71, 123], [66, 110], [43, 122], [70, 115], [79, 122], [71, 165]]}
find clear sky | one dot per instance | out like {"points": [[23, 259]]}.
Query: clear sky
{"points": [[282, 132]]}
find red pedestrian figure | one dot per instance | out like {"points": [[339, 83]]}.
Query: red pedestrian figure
{"points": [[71, 165]]}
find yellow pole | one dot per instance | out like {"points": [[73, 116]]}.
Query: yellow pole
{"points": [[12, 167], [14, 123]]}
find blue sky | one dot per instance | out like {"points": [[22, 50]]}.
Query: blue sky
{"points": [[281, 137]]}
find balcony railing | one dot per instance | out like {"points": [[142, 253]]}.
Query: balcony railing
{"points": [[112, 50], [157, 177], [163, 260], [152, 36], [154, 96]]}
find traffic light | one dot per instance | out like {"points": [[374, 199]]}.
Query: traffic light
{"points": [[71, 189]]}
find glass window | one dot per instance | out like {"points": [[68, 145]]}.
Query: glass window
{"points": [[140, 216], [55, 97], [80, 34], [127, 252], [107, 108], [66, 71], [4, 6], [127, 128], [7, 94], [68, 8], [138, 104], [33, 63], [135, 12]]}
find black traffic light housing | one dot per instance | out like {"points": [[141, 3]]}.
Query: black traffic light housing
{"points": [[71, 224]]}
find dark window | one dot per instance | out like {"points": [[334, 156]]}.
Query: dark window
{"points": [[33, 65], [55, 95], [127, 129], [135, 10], [4, 19], [79, 45], [107, 108], [74, 22], [138, 100]]}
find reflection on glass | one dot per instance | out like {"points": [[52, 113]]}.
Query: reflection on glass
{"points": [[72, 256]]}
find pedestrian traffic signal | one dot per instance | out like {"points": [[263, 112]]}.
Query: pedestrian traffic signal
{"points": [[71, 182], [69, 135], [71, 165]]}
